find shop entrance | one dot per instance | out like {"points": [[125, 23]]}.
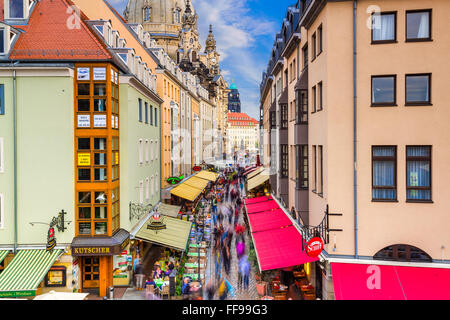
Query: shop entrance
{"points": [[91, 272]]}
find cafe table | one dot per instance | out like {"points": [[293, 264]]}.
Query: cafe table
{"points": [[161, 282]]}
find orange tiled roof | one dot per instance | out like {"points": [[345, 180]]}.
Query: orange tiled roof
{"points": [[240, 118], [50, 35]]}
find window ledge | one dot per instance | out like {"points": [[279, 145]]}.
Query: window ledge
{"points": [[384, 105], [419, 40], [383, 41], [419, 201], [383, 200], [418, 104]]}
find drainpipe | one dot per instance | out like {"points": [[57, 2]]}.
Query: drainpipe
{"points": [[355, 199], [15, 157]]}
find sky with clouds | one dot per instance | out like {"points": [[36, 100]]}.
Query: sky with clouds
{"points": [[244, 32]]}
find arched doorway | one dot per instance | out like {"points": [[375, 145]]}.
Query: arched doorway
{"points": [[402, 252]]}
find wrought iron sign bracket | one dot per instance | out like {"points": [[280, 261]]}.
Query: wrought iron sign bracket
{"points": [[322, 230], [58, 222]]}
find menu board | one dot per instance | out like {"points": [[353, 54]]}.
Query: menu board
{"points": [[83, 74], [121, 275], [99, 73], [84, 121], [100, 121]]}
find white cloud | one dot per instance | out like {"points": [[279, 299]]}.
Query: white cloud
{"points": [[238, 35]]}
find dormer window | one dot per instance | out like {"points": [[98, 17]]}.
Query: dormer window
{"points": [[124, 57], [2, 41], [100, 29], [7, 36], [16, 9]]}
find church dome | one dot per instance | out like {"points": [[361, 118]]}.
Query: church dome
{"points": [[160, 11]]}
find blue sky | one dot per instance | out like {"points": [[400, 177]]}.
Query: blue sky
{"points": [[244, 31]]}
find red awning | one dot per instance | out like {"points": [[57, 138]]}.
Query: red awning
{"points": [[280, 248], [248, 170], [383, 282], [262, 206], [268, 220], [258, 199]]}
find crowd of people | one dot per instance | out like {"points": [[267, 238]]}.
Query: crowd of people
{"points": [[225, 204], [227, 228]]}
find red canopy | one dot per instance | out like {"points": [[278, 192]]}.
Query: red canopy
{"points": [[269, 220], [280, 248], [258, 199], [262, 206], [248, 170], [383, 282]]}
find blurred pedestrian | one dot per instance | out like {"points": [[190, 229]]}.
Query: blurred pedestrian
{"points": [[185, 289]]}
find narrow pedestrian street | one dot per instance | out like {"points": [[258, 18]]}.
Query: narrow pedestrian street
{"points": [[238, 294]]}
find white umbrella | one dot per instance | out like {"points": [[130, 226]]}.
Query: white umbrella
{"points": [[54, 295]]}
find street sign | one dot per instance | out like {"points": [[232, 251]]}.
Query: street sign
{"points": [[314, 247]]}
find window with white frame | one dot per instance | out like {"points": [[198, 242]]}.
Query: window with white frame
{"points": [[146, 151], [147, 194], [156, 149], [141, 192], [2, 168], [140, 151]]}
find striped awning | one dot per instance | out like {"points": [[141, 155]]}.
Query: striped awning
{"points": [[257, 180], [254, 173], [3, 254], [26, 271]]}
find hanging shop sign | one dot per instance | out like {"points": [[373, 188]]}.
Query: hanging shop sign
{"points": [[314, 247], [175, 180], [156, 222], [51, 241]]}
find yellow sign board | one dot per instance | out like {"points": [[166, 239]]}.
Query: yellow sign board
{"points": [[84, 159], [117, 158]]}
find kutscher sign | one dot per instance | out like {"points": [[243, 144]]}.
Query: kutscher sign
{"points": [[314, 247]]}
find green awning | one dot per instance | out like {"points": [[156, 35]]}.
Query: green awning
{"points": [[3, 254], [175, 235], [26, 271]]}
